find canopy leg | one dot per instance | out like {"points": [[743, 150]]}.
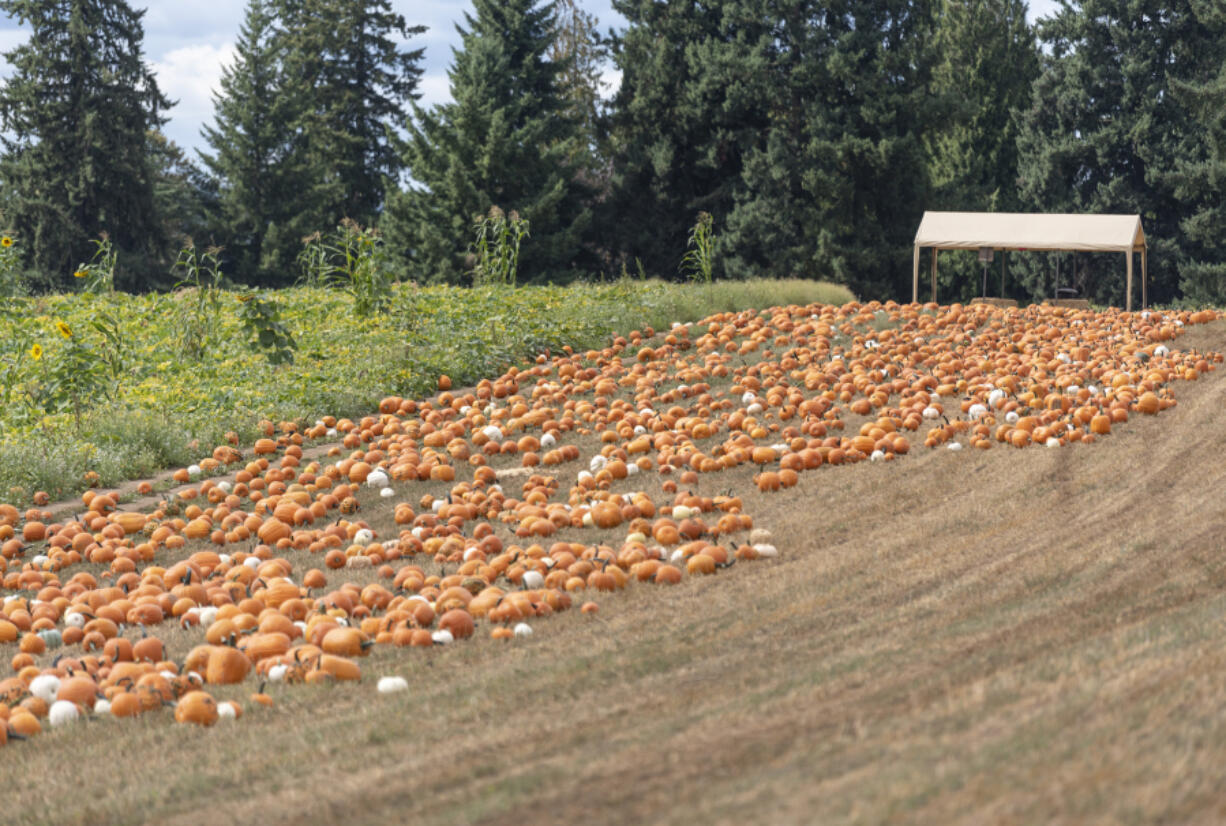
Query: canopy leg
{"points": [[1128, 300], [915, 276], [934, 273], [1144, 279]]}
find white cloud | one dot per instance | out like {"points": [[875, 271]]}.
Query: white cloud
{"points": [[1042, 8], [610, 82], [190, 75], [435, 88]]}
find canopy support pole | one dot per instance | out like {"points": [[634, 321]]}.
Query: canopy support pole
{"points": [[934, 273], [915, 276], [1128, 300], [1144, 278], [1002, 273]]}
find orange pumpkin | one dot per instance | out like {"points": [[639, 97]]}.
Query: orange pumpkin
{"points": [[196, 707]]}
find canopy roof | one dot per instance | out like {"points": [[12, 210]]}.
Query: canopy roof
{"points": [[1024, 231]]}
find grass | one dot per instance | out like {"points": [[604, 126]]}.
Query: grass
{"points": [[947, 638], [169, 409]]}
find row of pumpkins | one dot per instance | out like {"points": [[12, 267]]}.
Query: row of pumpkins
{"points": [[773, 390]]}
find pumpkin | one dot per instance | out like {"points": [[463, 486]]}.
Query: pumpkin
{"points": [[126, 704], [226, 665], [265, 645], [339, 668], [82, 691], [346, 642], [148, 649], [700, 564], [196, 707], [606, 515], [24, 723], [458, 621]]}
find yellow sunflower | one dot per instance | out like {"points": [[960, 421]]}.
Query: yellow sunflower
{"points": [[36, 352], [64, 329], [6, 241]]}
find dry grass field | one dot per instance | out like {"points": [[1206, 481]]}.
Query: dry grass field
{"points": [[1009, 636]]}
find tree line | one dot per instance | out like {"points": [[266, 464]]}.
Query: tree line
{"points": [[814, 133]]}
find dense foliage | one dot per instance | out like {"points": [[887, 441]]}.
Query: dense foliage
{"points": [[75, 120], [508, 140], [1107, 131], [812, 133]]}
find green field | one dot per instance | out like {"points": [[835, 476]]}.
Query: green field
{"points": [[165, 395]]}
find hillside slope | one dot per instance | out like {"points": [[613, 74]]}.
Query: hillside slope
{"points": [[1033, 636]]}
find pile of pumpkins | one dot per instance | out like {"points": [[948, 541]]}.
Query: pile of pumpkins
{"points": [[782, 391]]}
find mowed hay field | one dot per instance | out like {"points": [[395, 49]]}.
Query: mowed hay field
{"points": [[1009, 636]]}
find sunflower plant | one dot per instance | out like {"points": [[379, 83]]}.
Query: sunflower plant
{"points": [[202, 283], [98, 276], [13, 355], [73, 378], [12, 284]]}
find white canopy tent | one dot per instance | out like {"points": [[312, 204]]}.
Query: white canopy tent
{"points": [[1021, 231]]}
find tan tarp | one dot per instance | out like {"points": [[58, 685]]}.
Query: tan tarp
{"points": [[1024, 231]]}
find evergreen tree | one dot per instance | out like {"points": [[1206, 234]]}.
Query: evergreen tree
{"points": [[797, 124], [987, 61], [257, 155], [185, 198], [352, 81], [76, 113], [676, 139], [580, 53], [1107, 131], [505, 141], [835, 187], [1201, 184]]}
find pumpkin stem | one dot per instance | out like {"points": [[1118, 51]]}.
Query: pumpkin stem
{"points": [[261, 689]]}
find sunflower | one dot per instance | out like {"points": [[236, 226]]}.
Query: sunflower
{"points": [[6, 241], [64, 329], [36, 352]]}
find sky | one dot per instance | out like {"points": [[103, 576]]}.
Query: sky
{"points": [[187, 42]]}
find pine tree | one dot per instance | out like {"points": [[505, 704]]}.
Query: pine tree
{"points": [[1201, 184], [986, 65], [834, 188], [796, 123], [676, 140], [1107, 132], [258, 155], [76, 113], [579, 52], [185, 197], [353, 81], [505, 141]]}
